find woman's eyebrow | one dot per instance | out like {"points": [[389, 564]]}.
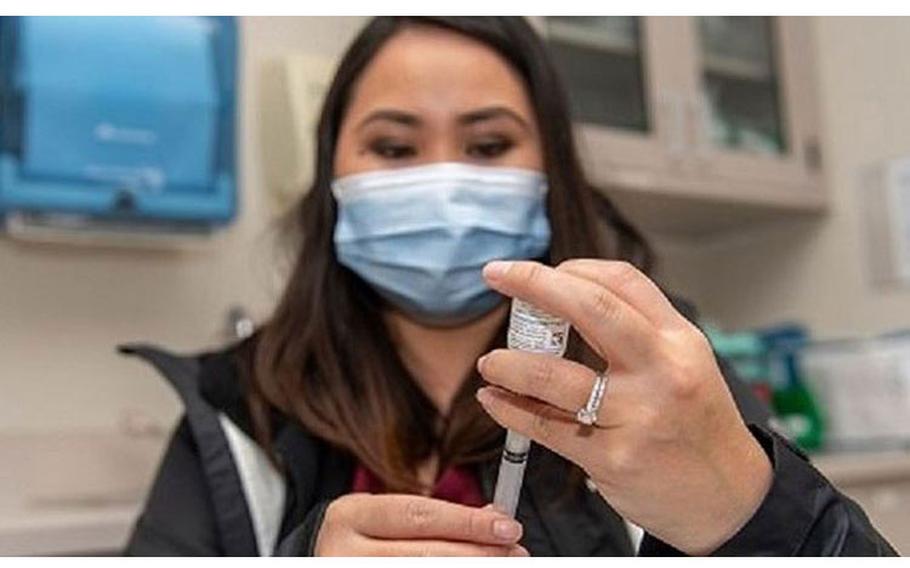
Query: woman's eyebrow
{"points": [[396, 116], [488, 113]]}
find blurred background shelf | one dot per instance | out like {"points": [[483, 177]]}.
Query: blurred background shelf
{"points": [[737, 68], [615, 35]]}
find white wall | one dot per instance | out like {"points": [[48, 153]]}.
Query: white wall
{"points": [[63, 308], [815, 271]]}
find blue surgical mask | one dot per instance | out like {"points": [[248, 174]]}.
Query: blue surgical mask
{"points": [[420, 236]]}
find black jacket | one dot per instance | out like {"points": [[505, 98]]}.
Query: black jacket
{"points": [[216, 493]]}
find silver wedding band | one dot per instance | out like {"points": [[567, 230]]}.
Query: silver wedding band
{"points": [[588, 414]]}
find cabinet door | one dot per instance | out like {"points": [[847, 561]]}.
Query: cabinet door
{"points": [[754, 108], [624, 97]]}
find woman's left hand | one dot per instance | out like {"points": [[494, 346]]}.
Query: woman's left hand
{"points": [[669, 451]]}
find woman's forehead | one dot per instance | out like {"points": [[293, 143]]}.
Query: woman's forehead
{"points": [[437, 73]]}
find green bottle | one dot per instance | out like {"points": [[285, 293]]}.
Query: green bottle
{"points": [[796, 410]]}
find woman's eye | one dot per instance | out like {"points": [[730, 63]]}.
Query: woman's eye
{"points": [[489, 149], [392, 150]]}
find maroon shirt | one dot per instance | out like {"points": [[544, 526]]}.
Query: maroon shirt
{"points": [[456, 485]]}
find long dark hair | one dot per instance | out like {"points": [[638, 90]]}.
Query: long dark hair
{"points": [[325, 357]]}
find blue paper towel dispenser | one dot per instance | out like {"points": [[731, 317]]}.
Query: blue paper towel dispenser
{"points": [[128, 121]]}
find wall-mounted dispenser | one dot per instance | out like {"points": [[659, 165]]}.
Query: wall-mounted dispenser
{"points": [[117, 125]]}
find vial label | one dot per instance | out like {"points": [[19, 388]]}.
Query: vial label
{"points": [[532, 329]]}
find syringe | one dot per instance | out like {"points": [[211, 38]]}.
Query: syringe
{"points": [[536, 331], [511, 472]]}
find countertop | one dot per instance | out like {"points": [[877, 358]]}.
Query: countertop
{"points": [[72, 493], [852, 468]]}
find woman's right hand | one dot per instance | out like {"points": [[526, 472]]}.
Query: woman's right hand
{"points": [[362, 524]]}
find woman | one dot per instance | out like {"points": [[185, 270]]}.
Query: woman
{"points": [[445, 144]]}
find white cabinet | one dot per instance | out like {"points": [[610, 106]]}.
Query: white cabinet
{"points": [[694, 124]]}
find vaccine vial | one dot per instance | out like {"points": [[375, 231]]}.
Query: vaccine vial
{"points": [[533, 330]]}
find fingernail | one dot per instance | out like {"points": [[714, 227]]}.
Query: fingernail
{"points": [[483, 396], [506, 529], [480, 364], [496, 269]]}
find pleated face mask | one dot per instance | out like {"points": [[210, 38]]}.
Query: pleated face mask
{"points": [[420, 236]]}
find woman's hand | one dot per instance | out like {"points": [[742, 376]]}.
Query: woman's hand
{"points": [[361, 524], [669, 451]]}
